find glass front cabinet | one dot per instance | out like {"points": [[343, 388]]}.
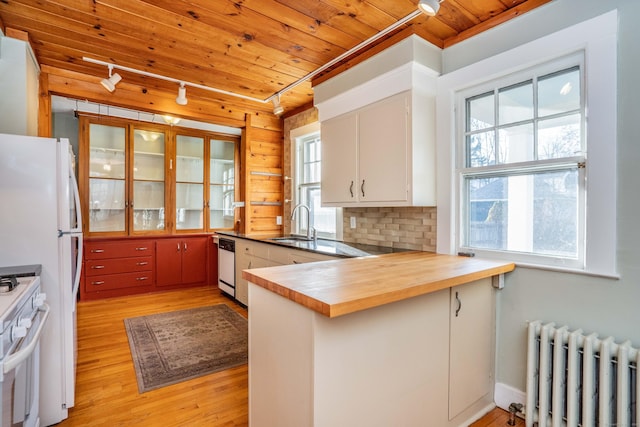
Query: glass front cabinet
{"points": [[139, 178]]}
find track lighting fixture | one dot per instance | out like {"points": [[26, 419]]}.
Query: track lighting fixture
{"points": [[182, 95], [429, 7], [110, 83], [277, 108]]}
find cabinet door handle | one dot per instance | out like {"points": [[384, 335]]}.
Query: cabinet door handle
{"points": [[185, 246], [142, 278], [362, 188], [97, 267], [97, 251], [249, 266], [142, 248], [459, 304], [98, 282], [142, 263], [351, 189], [295, 262], [178, 247]]}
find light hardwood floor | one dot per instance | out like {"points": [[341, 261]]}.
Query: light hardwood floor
{"points": [[107, 392]]}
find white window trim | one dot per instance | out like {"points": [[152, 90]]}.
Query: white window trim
{"points": [[294, 136], [597, 38]]}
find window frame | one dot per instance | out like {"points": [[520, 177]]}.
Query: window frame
{"points": [[597, 38], [526, 168], [298, 135]]}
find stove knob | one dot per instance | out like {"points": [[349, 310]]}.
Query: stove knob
{"points": [[25, 322], [39, 299], [18, 332]]}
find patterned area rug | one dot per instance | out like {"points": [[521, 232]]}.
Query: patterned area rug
{"points": [[168, 348]]}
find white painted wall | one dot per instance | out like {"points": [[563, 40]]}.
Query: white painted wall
{"points": [[606, 306]]}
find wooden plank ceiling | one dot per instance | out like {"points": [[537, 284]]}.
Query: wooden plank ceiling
{"points": [[254, 48]]}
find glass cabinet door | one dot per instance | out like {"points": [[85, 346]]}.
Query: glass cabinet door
{"points": [[148, 180], [189, 182], [221, 184], [107, 197]]}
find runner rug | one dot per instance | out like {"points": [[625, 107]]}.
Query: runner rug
{"points": [[168, 348]]}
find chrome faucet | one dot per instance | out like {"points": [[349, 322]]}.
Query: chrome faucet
{"points": [[310, 235]]}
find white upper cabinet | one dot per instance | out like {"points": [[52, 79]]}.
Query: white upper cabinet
{"points": [[380, 155], [378, 137]]}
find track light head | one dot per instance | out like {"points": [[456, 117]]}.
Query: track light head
{"points": [[429, 7], [277, 108], [182, 95], [110, 83]]}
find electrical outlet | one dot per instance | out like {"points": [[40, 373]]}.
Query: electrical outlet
{"points": [[278, 220], [352, 221]]}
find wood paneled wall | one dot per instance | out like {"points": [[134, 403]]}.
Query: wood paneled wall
{"points": [[264, 181], [261, 180]]}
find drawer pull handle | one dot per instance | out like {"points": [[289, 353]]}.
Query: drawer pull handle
{"points": [[142, 263], [97, 251], [141, 249], [97, 283], [97, 267], [142, 278]]}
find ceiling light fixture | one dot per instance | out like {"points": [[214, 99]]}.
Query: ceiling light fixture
{"points": [[182, 95], [277, 107], [429, 7], [110, 83]]}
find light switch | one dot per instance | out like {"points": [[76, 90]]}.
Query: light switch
{"points": [[278, 220], [352, 221]]}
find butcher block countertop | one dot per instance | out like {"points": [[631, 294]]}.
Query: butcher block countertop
{"points": [[336, 288]]}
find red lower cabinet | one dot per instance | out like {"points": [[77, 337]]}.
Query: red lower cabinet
{"points": [[125, 266], [115, 267], [181, 261]]}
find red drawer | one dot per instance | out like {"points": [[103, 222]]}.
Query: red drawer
{"points": [[100, 267], [118, 281], [138, 248]]}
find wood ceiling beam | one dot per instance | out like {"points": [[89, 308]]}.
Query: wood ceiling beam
{"points": [[82, 87]]}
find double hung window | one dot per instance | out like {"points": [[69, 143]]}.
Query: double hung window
{"points": [[324, 220], [521, 165]]}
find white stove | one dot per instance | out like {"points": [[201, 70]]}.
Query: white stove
{"points": [[23, 314]]}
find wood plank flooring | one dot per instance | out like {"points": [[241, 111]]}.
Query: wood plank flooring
{"points": [[107, 392]]}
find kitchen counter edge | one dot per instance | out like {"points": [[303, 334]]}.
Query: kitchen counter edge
{"points": [[339, 287]]}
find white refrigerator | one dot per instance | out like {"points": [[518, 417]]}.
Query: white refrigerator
{"points": [[40, 223]]}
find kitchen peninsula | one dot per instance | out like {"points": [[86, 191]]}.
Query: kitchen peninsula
{"points": [[400, 339]]}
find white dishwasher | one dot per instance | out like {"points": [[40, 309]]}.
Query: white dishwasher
{"points": [[227, 266]]}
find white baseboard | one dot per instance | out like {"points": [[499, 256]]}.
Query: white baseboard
{"points": [[505, 395]]}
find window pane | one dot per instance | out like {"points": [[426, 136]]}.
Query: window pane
{"points": [[106, 157], [559, 92], [515, 103], [515, 144], [559, 137], [189, 159], [221, 162], [221, 211], [534, 213], [106, 205], [148, 155], [148, 212], [189, 206], [481, 149], [480, 112]]}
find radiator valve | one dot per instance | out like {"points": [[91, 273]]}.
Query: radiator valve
{"points": [[514, 409]]}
